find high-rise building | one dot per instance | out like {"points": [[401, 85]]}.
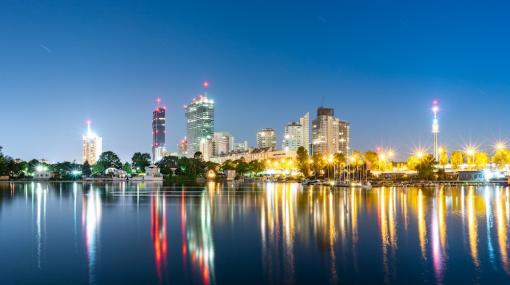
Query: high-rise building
{"points": [[206, 148], [344, 140], [266, 138], [223, 143], [241, 147], [305, 123], [200, 121], [329, 134], [92, 146], [158, 132], [293, 136]]}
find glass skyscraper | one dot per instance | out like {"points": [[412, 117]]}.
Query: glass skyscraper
{"points": [[158, 133], [200, 122]]}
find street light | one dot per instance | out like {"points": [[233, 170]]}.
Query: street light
{"points": [[500, 146], [470, 151]]}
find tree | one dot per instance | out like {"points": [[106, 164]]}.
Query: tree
{"points": [[318, 164], [502, 157], [372, 159], [256, 167], [481, 160], [303, 161], [167, 163], [241, 167], [106, 160], [140, 161], [85, 169], [412, 162], [457, 159], [426, 167], [127, 167], [443, 157]]}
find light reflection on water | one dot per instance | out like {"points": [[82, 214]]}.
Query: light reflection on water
{"points": [[293, 235]]}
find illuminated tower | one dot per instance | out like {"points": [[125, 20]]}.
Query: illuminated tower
{"points": [[92, 146], [158, 132], [435, 128], [200, 121]]}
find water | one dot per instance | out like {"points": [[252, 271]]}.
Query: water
{"points": [[72, 233]]}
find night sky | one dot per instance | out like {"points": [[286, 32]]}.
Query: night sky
{"points": [[378, 63]]}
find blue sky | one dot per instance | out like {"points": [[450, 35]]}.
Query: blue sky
{"points": [[378, 63]]}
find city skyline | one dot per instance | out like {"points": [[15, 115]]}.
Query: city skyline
{"points": [[379, 70]]}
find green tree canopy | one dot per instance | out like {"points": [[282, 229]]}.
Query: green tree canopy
{"points": [[140, 161], [106, 160]]}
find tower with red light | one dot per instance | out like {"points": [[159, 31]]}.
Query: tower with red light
{"points": [[158, 132], [435, 128]]}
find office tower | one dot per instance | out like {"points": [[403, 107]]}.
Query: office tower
{"points": [[158, 132], [330, 135], [293, 136], [266, 138], [200, 121]]}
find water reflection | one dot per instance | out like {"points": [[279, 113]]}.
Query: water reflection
{"points": [[441, 233], [159, 232], [91, 221]]}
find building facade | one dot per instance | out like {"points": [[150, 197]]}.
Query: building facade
{"points": [[257, 154], [330, 135], [158, 133], [200, 122], [305, 124], [223, 143], [92, 146], [266, 138], [293, 136]]}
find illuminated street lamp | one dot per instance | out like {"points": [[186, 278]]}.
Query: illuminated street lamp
{"points": [[500, 146], [470, 151], [419, 153]]}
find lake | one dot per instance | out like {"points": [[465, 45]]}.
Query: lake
{"points": [[122, 233]]}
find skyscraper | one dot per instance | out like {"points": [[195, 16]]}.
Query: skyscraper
{"points": [[329, 134], [200, 121], [305, 123], [266, 138], [293, 136], [158, 132], [92, 146]]}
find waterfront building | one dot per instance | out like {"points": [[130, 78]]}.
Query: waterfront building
{"points": [[260, 154], [266, 138], [223, 143], [200, 122], [293, 136], [330, 135], [158, 132], [92, 146]]}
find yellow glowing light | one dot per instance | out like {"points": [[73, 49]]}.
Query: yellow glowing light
{"points": [[470, 150], [500, 145], [419, 153]]}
